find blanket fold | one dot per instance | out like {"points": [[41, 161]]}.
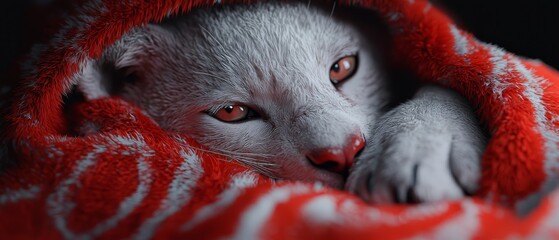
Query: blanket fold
{"points": [[103, 169]]}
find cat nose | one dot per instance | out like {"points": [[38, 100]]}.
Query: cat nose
{"points": [[338, 159]]}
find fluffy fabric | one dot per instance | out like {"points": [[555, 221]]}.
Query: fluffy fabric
{"points": [[126, 178]]}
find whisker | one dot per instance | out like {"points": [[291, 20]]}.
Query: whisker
{"points": [[253, 162], [248, 154], [235, 154], [259, 168], [212, 152], [333, 7]]}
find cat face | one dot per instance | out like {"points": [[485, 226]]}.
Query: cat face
{"points": [[286, 89]]}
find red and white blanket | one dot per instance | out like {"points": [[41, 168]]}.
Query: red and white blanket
{"points": [[127, 178]]}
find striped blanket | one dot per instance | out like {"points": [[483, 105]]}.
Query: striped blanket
{"points": [[124, 177]]}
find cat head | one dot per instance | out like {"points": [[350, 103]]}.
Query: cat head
{"points": [[287, 89]]}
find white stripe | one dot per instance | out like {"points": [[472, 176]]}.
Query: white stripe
{"points": [[11, 196], [253, 220], [497, 58], [464, 226], [178, 194], [59, 207], [461, 44], [411, 214], [348, 205], [534, 93], [244, 180], [130, 203], [498, 79], [237, 185], [145, 179], [322, 210], [57, 139]]}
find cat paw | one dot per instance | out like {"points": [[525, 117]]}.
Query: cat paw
{"points": [[420, 152], [410, 169]]}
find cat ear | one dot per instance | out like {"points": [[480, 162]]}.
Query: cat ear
{"points": [[119, 63]]}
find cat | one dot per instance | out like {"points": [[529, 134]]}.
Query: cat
{"points": [[295, 91]]}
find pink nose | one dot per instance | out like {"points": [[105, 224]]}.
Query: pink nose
{"points": [[338, 159]]}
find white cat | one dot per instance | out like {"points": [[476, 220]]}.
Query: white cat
{"points": [[298, 94]]}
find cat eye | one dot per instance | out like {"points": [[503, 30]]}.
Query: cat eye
{"points": [[343, 69], [234, 113]]}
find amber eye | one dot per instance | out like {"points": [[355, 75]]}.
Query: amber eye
{"points": [[343, 69], [233, 113]]}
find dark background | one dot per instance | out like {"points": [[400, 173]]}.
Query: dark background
{"points": [[528, 28]]}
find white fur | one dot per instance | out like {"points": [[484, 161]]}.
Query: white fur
{"points": [[276, 58], [426, 149]]}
